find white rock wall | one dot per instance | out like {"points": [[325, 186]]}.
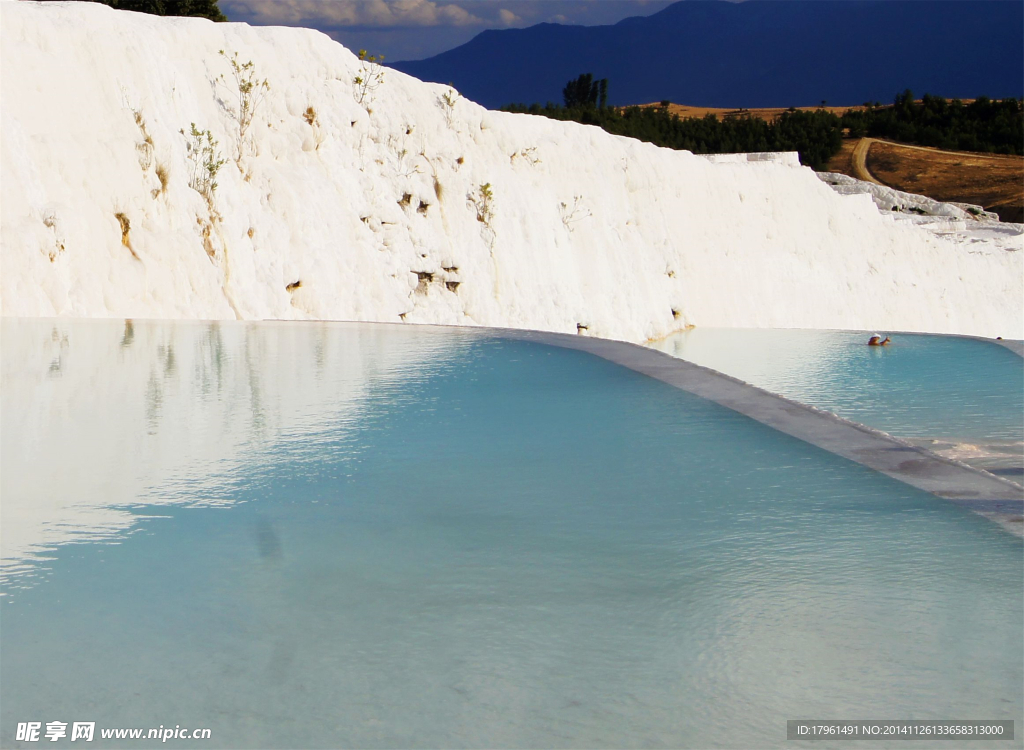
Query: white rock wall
{"points": [[660, 239]]}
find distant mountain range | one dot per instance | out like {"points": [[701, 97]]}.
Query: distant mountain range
{"points": [[768, 53]]}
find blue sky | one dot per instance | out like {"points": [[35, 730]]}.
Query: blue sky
{"points": [[415, 29]]}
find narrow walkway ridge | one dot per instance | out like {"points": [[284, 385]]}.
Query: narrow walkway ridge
{"points": [[993, 497], [1017, 347]]}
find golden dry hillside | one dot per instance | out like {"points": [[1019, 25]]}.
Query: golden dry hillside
{"points": [[993, 181]]}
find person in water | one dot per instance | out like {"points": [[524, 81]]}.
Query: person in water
{"points": [[877, 340]]}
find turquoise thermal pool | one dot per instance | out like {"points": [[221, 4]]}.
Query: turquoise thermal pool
{"points": [[964, 395], [326, 535]]}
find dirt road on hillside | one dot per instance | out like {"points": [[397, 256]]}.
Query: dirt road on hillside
{"points": [[860, 161], [995, 181]]}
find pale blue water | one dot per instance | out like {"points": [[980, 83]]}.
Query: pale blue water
{"points": [[918, 386], [434, 539]]}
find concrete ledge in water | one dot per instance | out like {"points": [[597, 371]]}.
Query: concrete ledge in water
{"points": [[988, 495], [993, 497], [1017, 347]]}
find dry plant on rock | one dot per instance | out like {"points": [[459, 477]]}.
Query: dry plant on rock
{"points": [[205, 161], [252, 92], [482, 201], [369, 78], [573, 213], [447, 102]]}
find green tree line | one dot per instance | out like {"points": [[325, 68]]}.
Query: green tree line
{"points": [[816, 136], [200, 8], [983, 125], [986, 125]]}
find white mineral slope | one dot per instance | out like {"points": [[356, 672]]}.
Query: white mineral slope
{"points": [[649, 240]]}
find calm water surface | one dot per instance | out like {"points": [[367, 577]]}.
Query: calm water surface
{"points": [[917, 386], [305, 535]]}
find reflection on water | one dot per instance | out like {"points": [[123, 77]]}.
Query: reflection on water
{"points": [[382, 537], [958, 396], [175, 408]]}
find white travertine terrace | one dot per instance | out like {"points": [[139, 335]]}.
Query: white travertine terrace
{"points": [[368, 213]]}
